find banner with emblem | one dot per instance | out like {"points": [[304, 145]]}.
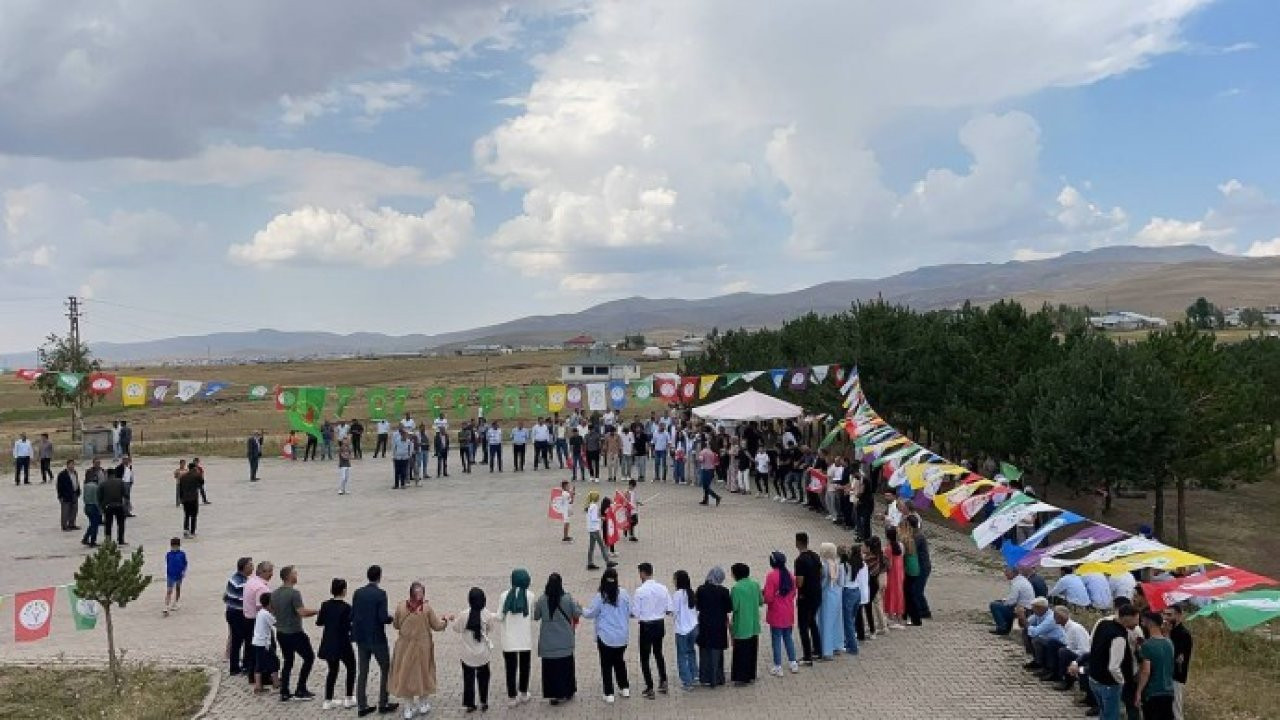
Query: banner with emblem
{"points": [[32, 614], [510, 402], [101, 383], [642, 390], [84, 612], [597, 397], [187, 389], [160, 391], [133, 391], [574, 396], [213, 388], [537, 395], [555, 397], [617, 394], [666, 387], [688, 388]]}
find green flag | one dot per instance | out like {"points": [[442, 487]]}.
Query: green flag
{"points": [[1010, 471], [831, 436], [377, 403], [486, 396], [344, 397], [462, 401], [307, 412], [435, 398], [1243, 610], [399, 397], [732, 378], [510, 402], [537, 400], [69, 381], [642, 389], [85, 612]]}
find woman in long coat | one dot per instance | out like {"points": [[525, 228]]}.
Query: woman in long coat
{"points": [[413, 663], [713, 605]]}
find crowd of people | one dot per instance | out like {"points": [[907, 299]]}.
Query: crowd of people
{"points": [[1133, 660]]}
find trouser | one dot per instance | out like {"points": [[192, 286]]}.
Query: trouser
{"points": [[1108, 700], [651, 635], [611, 463], [641, 464], [238, 643], [807, 620], [847, 515], [777, 483], [922, 602], [1002, 615], [484, 453], [309, 453], [190, 509], [1061, 660], [1045, 653], [348, 661], [22, 471], [743, 665], [128, 499], [68, 514], [627, 462], [419, 464], [660, 465], [852, 601], [295, 645], [475, 679], [909, 598], [780, 638], [722, 467], [124, 449], [1178, 690], [46, 471], [831, 502], [495, 456], [442, 464], [687, 657], [400, 469], [464, 457], [253, 468], [541, 454], [707, 493], [593, 464], [129, 494], [355, 446], [115, 451], [793, 485], [677, 471], [517, 457], [593, 540], [1158, 707], [762, 482], [115, 514], [250, 662], [711, 666], [326, 449], [95, 520], [866, 508], [517, 666], [380, 654], [562, 451], [381, 445], [613, 665], [344, 477]]}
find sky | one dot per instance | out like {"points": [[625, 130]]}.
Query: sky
{"points": [[426, 166]]}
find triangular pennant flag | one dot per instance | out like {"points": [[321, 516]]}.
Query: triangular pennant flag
{"points": [[705, 383], [820, 373], [731, 378], [837, 374], [70, 381], [778, 375], [160, 390], [32, 613], [213, 388], [187, 389], [84, 612], [101, 383], [750, 377], [1010, 471]]}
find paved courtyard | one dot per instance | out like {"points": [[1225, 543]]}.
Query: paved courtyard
{"points": [[473, 529]]}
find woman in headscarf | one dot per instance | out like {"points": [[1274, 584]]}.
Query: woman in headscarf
{"points": [[476, 649], [413, 663], [780, 612], [517, 635], [830, 624], [894, 579], [611, 609], [714, 603], [685, 624], [558, 615]]}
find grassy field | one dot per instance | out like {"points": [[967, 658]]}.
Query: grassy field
{"points": [[37, 693]]}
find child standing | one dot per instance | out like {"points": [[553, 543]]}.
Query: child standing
{"points": [[633, 508], [762, 472], [335, 644], [566, 487], [265, 663], [175, 568], [476, 649], [677, 462]]}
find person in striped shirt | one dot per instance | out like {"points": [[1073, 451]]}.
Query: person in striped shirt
{"points": [[239, 632]]}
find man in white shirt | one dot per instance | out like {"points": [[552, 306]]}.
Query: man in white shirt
{"points": [[125, 471], [344, 429], [22, 461], [440, 423], [408, 423], [650, 605], [494, 437], [1071, 589], [1075, 643], [384, 431], [542, 437], [1020, 596], [1122, 586]]}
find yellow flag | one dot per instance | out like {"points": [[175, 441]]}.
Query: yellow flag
{"points": [[705, 383], [947, 501], [133, 391], [881, 447], [555, 398], [1158, 559], [915, 475]]}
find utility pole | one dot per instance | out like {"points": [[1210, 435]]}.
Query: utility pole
{"points": [[73, 336]]}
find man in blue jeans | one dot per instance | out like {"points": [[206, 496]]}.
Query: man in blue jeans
{"points": [[1111, 661], [1020, 596]]}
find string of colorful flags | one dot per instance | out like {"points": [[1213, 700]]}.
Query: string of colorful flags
{"points": [[924, 478], [33, 611]]}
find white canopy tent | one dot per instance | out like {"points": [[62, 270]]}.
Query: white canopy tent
{"points": [[747, 406]]}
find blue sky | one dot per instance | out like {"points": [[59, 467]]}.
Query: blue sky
{"points": [[439, 165]]}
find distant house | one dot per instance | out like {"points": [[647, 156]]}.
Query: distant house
{"points": [[689, 345], [1126, 320], [582, 342], [482, 349], [653, 351], [599, 366]]}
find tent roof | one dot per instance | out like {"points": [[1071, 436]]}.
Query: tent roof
{"points": [[749, 405]]}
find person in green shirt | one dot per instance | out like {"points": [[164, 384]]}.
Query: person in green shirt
{"points": [[746, 599], [1155, 678]]}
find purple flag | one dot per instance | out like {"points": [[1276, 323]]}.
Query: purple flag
{"points": [[1090, 537]]}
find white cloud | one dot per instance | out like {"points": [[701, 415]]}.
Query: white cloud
{"points": [[637, 106], [1264, 248], [1244, 215], [1076, 213], [361, 236], [370, 99], [1029, 255], [301, 110], [1161, 232], [380, 97]]}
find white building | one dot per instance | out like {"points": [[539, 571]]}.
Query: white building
{"points": [[599, 366], [1126, 320]]}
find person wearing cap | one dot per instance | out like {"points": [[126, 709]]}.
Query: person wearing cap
{"points": [[1036, 625]]}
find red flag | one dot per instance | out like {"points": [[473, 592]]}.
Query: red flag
{"points": [[666, 389], [558, 509], [32, 614], [1212, 584], [621, 516], [29, 375], [836, 373], [612, 534], [101, 383], [278, 394], [817, 480], [689, 388]]}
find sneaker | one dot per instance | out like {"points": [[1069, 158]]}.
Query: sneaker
{"points": [[593, 567], [649, 694], [795, 667], [513, 702], [609, 699], [330, 705], [424, 708], [526, 698], [349, 703], [304, 694], [164, 612], [776, 671], [626, 692]]}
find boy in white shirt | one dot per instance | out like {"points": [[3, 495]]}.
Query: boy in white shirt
{"points": [[264, 646], [762, 473]]}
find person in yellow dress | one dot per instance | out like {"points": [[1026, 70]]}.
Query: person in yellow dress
{"points": [[413, 663]]}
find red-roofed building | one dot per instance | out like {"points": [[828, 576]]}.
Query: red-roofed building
{"points": [[582, 342]]}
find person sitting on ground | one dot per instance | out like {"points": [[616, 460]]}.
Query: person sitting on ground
{"points": [[1038, 585], [1038, 624], [1070, 589], [1074, 646], [1020, 596], [1099, 591]]}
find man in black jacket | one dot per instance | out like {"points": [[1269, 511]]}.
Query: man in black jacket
{"points": [[68, 487], [441, 446], [253, 452], [111, 498], [1111, 660], [369, 620]]}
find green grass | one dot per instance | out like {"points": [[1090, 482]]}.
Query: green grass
{"points": [[149, 693]]}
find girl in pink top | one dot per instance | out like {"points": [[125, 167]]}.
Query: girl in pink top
{"points": [[780, 611]]}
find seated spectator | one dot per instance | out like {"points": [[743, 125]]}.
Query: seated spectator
{"points": [[1099, 590], [1020, 595], [1070, 589], [1122, 585], [1057, 655], [1038, 585], [1039, 624]]}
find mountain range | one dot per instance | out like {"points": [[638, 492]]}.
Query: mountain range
{"points": [[1158, 281]]}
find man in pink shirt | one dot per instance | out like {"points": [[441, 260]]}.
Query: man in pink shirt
{"points": [[707, 460], [254, 587]]}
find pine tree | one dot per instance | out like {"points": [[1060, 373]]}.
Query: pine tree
{"points": [[105, 578]]}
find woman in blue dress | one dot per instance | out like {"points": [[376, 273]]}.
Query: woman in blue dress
{"points": [[830, 621]]}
